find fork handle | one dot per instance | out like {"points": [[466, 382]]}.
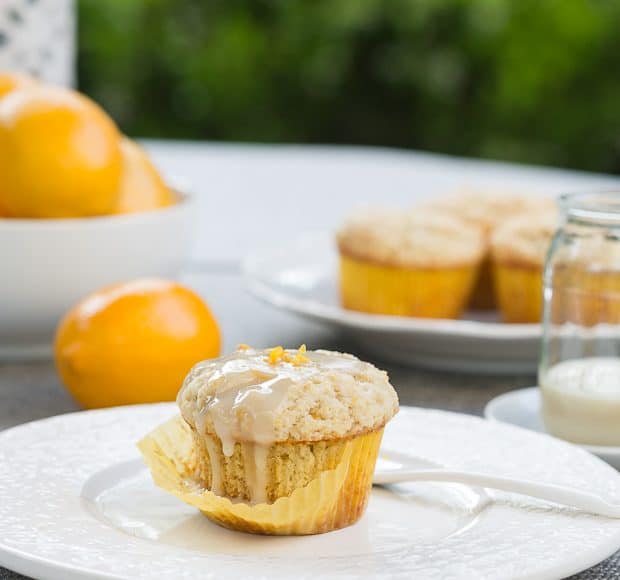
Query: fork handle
{"points": [[558, 494]]}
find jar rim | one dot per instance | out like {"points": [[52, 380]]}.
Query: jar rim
{"points": [[600, 207]]}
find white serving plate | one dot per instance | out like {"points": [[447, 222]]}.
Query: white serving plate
{"points": [[522, 408], [301, 277], [50, 264], [76, 502]]}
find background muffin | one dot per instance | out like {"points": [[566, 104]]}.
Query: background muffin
{"points": [[266, 423], [487, 210], [418, 263], [519, 248]]}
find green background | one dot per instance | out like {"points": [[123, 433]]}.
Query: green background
{"points": [[536, 81]]}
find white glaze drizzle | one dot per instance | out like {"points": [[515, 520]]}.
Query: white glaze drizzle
{"points": [[216, 470], [246, 392], [255, 461]]}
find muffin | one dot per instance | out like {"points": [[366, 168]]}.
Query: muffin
{"points": [[419, 263], [487, 210], [275, 441], [518, 250]]}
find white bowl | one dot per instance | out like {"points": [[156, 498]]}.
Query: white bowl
{"points": [[47, 265]]}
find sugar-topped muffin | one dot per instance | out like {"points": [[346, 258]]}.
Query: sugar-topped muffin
{"points": [[275, 425], [413, 263], [488, 210], [589, 263], [524, 240], [518, 249]]}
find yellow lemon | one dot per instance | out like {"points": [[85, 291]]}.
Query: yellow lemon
{"points": [[134, 343], [12, 81], [59, 155], [142, 187]]}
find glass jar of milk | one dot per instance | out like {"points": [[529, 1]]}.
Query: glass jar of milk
{"points": [[579, 372]]}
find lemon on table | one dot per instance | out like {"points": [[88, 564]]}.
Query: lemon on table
{"points": [[11, 81], [134, 343], [142, 187], [59, 155]]}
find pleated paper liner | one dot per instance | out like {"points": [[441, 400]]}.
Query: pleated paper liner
{"points": [[421, 292], [519, 292], [335, 499]]}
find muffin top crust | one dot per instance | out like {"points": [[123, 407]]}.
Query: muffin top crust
{"points": [[524, 240], [488, 209], [278, 395], [417, 238]]}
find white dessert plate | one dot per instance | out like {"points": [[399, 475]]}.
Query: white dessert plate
{"points": [[77, 502], [522, 408], [301, 277]]}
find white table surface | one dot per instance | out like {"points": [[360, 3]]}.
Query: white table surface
{"points": [[262, 195]]}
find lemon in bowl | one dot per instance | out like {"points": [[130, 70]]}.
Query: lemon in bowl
{"points": [[60, 155], [81, 207]]}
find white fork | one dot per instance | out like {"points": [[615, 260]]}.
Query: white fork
{"points": [[558, 494]]}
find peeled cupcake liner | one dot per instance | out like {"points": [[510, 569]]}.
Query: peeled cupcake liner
{"points": [[335, 499]]}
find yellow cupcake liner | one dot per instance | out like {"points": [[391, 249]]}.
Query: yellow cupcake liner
{"points": [[519, 292], [422, 292], [335, 499]]}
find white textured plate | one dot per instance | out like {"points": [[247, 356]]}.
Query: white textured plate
{"points": [[301, 277], [76, 502], [522, 408]]}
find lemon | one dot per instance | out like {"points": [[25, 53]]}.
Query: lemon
{"points": [[134, 343], [142, 187], [60, 155]]}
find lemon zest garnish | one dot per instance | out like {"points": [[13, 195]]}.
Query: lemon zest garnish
{"points": [[300, 358], [244, 346], [278, 354]]}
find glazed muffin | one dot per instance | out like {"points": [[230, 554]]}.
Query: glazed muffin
{"points": [[277, 441], [487, 210], [420, 263], [518, 250]]}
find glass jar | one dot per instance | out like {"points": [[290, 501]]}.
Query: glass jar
{"points": [[579, 373]]}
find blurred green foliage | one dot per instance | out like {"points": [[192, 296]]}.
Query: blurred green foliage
{"points": [[525, 80]]}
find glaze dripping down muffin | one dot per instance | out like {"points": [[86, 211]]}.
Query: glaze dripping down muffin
{"points": [[274, 418]]}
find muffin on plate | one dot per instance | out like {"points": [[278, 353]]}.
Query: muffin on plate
{"points": [[418, 263], [487, 210], [275, 441], [518, 249]]}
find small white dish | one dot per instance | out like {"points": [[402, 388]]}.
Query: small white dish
{"points": [[301, 277], [76, 502], [50, 264], [522, 409]]}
